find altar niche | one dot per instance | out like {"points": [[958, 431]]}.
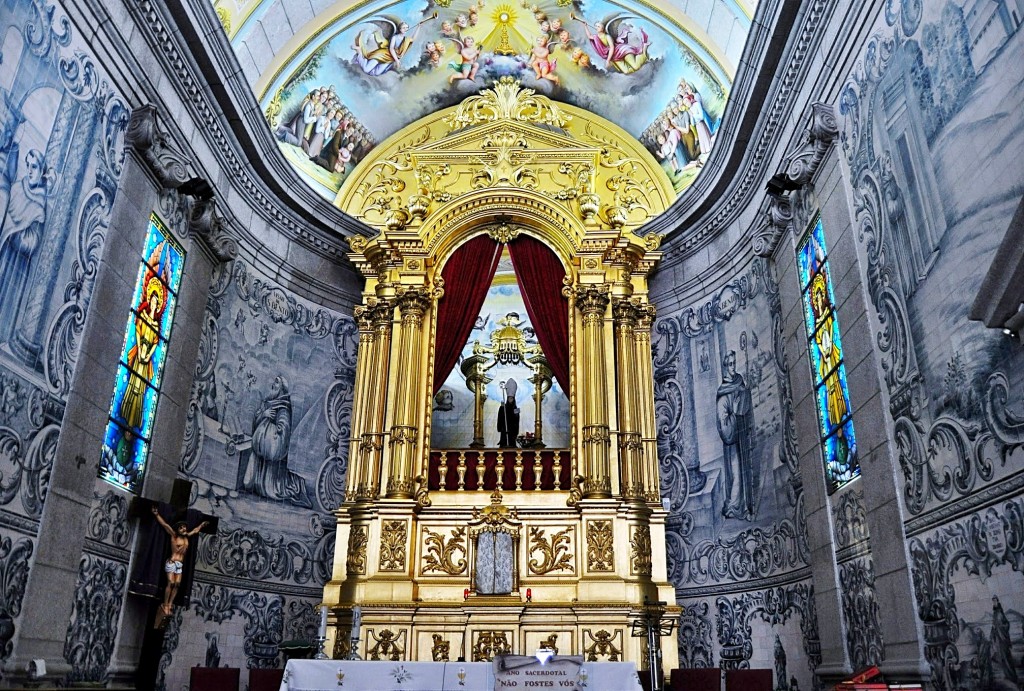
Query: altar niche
{"points": [[502, 392]]}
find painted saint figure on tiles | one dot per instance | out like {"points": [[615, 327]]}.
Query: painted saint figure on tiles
{"points": [[265, 470], [20, 234], [736, 428]]}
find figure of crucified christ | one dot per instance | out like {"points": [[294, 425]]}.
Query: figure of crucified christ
{"points": [[180, 535]]}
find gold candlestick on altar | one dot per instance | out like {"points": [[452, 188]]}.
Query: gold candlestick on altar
{"points": [[474, 369], [541, 381]]}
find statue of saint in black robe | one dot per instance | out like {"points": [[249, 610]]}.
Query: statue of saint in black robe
{"points": [[508, 417]]}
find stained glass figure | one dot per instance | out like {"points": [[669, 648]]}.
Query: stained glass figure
{"points": [[838, 441], [137, 384]]}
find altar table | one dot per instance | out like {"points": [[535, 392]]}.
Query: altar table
{"points": [[345, 675]]}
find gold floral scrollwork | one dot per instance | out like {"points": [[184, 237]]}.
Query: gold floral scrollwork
{"points": [[602, 646], [576, 491], [357, 243], [640, 561], [386, 646], [441, 552], [555, 553], [440, 649], [422, 492], [273, 110], [432, 187], [652, 241], [600, 546], [392, 546], [503, 232], [507, 101], [490, 643], [225, 21], [355, 564], [342, 646]]}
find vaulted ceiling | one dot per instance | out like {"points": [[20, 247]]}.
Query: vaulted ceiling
{"points": [[334, 78]]}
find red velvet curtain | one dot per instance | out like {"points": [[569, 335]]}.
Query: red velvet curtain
{"points": [[467, 277], [540, 273]]}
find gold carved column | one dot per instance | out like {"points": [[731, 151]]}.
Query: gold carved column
{"points": [[355, 484], [644, 398], [371, 444], [413, 305], [592, 301], [627, 388]]}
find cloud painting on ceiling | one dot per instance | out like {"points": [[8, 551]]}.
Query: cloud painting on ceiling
{"points": [[380, 67]]}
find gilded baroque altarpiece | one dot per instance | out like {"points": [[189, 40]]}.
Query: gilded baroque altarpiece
{"points": [[579, 558]]}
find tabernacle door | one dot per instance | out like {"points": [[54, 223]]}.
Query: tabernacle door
{"points": [[495, 534], [495, 563]]}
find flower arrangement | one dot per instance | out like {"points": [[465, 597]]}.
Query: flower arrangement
{"points": [[526, 440]]}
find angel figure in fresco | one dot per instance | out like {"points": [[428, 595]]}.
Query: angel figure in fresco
{"points": [[384, 49], [541, 61], [617, 43], [828, 370], [148, 316], [469, 55]]}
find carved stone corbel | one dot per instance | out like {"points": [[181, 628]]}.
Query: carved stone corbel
{"points": [[147, 139], [778, 217], [206, 225], [822, 130], [800, 168]]}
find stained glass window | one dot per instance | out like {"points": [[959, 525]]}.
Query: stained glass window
{"points": [[838, 442], [137, 386]]}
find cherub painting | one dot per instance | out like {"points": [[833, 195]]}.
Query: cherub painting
{"points": [[618, 43], [468, 65], [384, 49], [541, 61]]}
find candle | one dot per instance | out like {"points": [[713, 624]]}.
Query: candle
{"points": [[357, 620], [529, 594], [323, 621], [465, 594]]}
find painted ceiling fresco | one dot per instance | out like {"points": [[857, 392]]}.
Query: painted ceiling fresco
{"points": [[384, 64]]}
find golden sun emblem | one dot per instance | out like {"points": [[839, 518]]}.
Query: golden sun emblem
{"points": [[504, 16]]}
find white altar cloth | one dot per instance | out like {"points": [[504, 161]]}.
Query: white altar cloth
{"points": [[346, 675]]}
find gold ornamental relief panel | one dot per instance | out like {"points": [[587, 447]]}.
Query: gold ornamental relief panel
{"points": [[358, 540], [640, 550], [387, 644], [600, 546], [487, 644], [512, 143], [443, 551], [393, 540], [602, 645], [552, 551]]}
